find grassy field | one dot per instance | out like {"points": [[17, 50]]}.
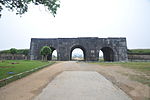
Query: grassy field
{"points": [[12, 67], [143, 67], [140, 66], [143, 51]]}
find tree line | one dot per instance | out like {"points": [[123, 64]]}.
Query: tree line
{"points": [[14, 51], [44, 52]]}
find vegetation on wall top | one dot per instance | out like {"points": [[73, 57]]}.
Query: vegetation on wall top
{"points": [[19, 51], [138, 51]]}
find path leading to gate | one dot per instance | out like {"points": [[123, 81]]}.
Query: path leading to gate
{"points": [[81, 85], [35, 85]]}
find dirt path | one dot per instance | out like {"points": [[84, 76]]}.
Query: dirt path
{"points": [[30, 86]]}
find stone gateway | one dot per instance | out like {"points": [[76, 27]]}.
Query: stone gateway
{"points": [[114, 49]]}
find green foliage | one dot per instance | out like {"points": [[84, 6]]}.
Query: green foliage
{"points": [[13, 51], [23, 51], [5, 52], [19, 51], [45, 50], [139, 51], [21, 6], [26, 52]]}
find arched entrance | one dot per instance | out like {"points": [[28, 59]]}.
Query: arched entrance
{"points": [[53, 55], [101, 56], [77, 53], [108, 54]]}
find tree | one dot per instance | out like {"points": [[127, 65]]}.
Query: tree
{"points": [[26, 52], [13, 51], [45, 51], [21, 6]]}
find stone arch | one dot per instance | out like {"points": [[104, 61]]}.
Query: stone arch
{"points": [[115, 48], [108, 54], [50, 55], [80, 47]]}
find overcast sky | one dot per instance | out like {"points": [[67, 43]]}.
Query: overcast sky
{"points": [[79, 18]]}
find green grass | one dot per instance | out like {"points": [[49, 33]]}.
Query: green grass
{"points": [[19, 66], [139, 66], [139, 51]]}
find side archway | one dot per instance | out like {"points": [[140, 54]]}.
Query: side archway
{"points": [[53, 55], [81, 49], [108, 54]]}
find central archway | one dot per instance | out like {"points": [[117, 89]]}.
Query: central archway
{"points": [[81, 52]]}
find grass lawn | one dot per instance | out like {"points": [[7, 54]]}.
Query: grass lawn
{"points": [[139, 66], [12, 67]]}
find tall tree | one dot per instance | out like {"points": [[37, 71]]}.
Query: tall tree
{"points": [[45, 51], [21, 6], [26, 52], [13, 51]]}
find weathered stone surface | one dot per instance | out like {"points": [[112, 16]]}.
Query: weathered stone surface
{"points": [[140, 57], [10, 56], [114, 49]]}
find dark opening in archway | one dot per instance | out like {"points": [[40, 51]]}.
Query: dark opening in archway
{"points": [[77, 53], [108, 54], [53, 55]]}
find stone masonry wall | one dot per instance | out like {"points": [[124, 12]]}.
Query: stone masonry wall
{"points": [[114, 49], [139, 57], [9, 57]]}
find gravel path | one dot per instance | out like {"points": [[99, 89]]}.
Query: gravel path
{"points": [[81, 85]]}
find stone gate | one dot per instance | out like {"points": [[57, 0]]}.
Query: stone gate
{"points": [[114, 49]]}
